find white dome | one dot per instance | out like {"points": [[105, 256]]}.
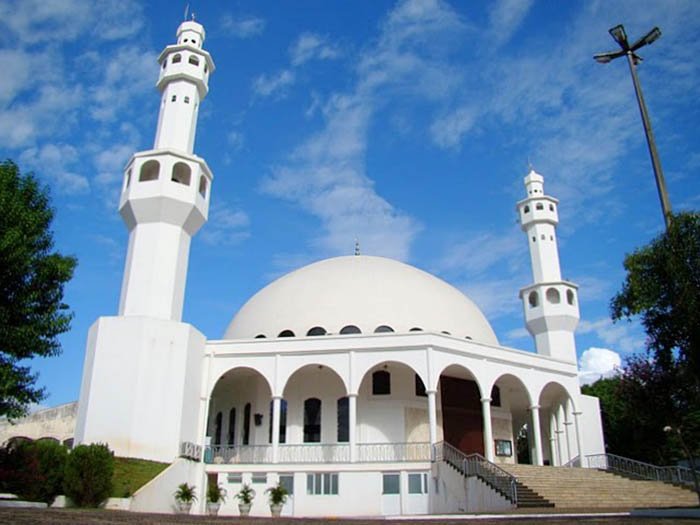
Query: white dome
{"points": [[360, 291]]}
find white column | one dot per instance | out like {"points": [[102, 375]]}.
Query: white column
{"points": [[579, 438], [488, 433], [567, 436], [352, 426], [276, 403], [536, 434], [553, 450], [432, 416]]}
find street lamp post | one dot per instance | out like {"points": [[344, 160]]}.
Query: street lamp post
{"points": [[619, 35]]}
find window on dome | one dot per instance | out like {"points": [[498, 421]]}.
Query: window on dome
{"points": [[232, 427], [312, 420], [283, 421], [194, 60], [177, 58], [246, 424], [553, 296], [468, 337], [533, 299], [570, 297], [495, 396], [445, 332], [149, 171], [383, 329], [182, 173], [343, 420], [317, 330], [203, 186], [381, 383], [350, 329], [286, 333], [217, 428], [260, 336], [420, 386], [416, 329]]}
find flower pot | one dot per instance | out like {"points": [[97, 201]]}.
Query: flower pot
{"points": [[244, 508], [183, 507], [276, 510], [213, 508]]}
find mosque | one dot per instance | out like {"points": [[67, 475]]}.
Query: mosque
{"points": [[350, 381]]}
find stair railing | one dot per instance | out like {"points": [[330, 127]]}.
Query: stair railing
{"points": [[638, 469], [477, 465], [573, 462]]}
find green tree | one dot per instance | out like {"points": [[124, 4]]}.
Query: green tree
{"points": [[32, 277], [88, 474]]}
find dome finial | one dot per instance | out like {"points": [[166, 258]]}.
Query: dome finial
{"points": [[357, 246]]}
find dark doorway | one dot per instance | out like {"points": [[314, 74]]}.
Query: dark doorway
{"points": [[462, 421]]}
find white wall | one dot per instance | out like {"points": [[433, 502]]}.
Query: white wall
{"points": [[158, 494], [591, 426]]}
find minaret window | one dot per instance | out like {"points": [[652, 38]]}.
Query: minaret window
{"points": [[350, 329], [553, 296], [551, 207], [539, 206], [533, 299], [194, 60], [187, 100], [149, 171], [526, 209], [203, 186], [570, 297], [182, 173], [174, 98], [177, 58]]}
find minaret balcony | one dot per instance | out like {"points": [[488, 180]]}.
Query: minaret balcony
{"points": [[538, 209], [550, 306], [165, 185], [184, 61]]}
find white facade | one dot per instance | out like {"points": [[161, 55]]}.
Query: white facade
{"points": [[339, 379]]}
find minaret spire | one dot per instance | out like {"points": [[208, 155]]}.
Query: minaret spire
{"points": [[165, 197], [550, 304]]}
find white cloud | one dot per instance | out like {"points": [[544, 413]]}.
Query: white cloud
{"points": [[226, 226], [623, 336], [242, 27], [265, 85], [310, 46], [505, 17], [235, 140], [597, 363], [55, 164], [447, 131]]}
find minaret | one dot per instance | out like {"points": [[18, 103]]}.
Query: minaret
{"points": [[165, 196], [550, 304]]}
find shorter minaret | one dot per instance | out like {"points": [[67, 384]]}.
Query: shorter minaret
{"points": [[550, 304]]}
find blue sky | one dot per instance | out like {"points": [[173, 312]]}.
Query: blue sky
{"points": [[407, 124]]}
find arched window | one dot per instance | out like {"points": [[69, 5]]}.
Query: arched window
{"points": [[283, 421], [194, 60], [206, 68], [495, 396], [350, 329], [312, 420], [533, 299], [317, 330], [420, 386], [260, 336], [343, 420], [570, 297], [416, 329], [149, 170], [286, 333], [553, 296], [182, 173], [383, 329], [539, 206], [217, 428], [203, 186], [526, 209], [246, 424], [232, 426], [551, 207], [381, 383], [177, 58]]}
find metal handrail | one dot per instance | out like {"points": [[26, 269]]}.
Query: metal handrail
{"points": [[477, 465], [573, 462], [639, 469]]}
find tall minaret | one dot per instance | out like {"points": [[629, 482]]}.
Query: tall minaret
{"points": [[550, 304], [165, 197]]}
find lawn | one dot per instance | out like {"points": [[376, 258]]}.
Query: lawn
{"points": [[131, 474]]}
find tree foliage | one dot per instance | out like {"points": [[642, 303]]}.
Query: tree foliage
{"points": [[32, 277], [33, 470], [88, 474]]}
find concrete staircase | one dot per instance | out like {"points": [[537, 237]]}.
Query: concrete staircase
{"points": [[572, 488]]}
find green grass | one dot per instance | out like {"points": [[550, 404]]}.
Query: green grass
{"points": [[131, 474]]}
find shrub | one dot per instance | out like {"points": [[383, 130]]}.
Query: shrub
{"points": [[88, 474], [33, 470]]}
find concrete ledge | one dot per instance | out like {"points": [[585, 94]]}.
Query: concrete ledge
{"points": [[681, 512], [17, 503]]}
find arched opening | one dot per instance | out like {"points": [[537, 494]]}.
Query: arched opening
{"points": [[181, 173], [286, 333], [316, 330], [526, 209], [343, 423], [150, 170], [232, 427], [350, 329], [203, 186], [283, 421], [218, 423], [177, 58], [570, 297], [194, 60], [312, 420], [383, 329], [462, 416], [539, 206], [260, 336], [553, 296], [246, 424], [556, 407], [533, 299], [512, 428]]}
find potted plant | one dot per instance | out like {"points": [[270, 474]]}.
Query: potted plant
{"points": [[245, 499], [278, 497], [185, 496], [216, 495]]}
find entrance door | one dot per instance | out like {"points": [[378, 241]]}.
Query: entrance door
{"points": [[287, 481], [391, 494], [461, 414]]}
